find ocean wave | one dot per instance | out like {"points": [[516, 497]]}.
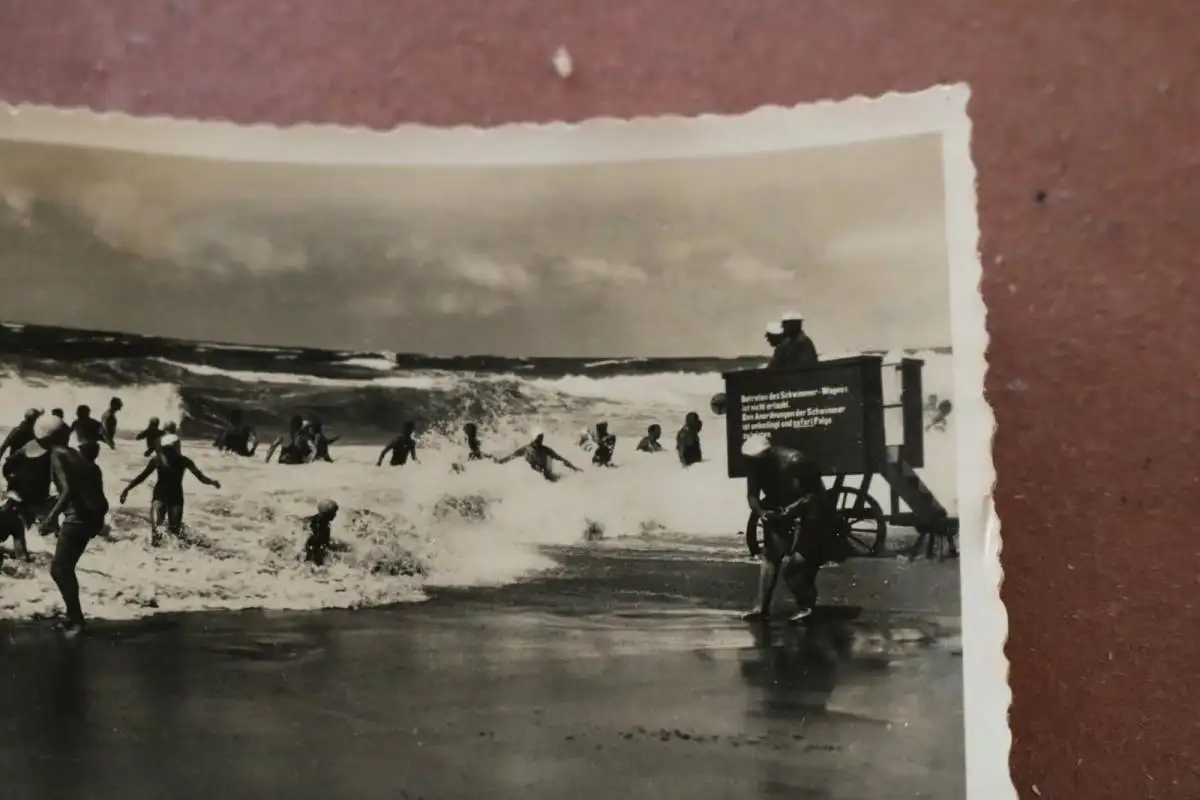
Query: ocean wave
{"points": [[402, 529]]}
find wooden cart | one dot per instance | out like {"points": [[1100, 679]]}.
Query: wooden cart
{"points": [[835, 413]]}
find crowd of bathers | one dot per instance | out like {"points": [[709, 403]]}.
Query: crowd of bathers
{"points": [[53, 481], [59, 488]]}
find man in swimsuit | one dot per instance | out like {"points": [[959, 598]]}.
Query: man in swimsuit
{"points": [[402, 448], [785, 491], [687, 441], [87, 428], [320, 443], [650, 442], [292, 445], [474, 449], [167, 504], [27, 478], [319, 532], [108, 421], [22, 434], [83, 506], [58, 412], [150, 435], [237, 438], [604, 444], [539, 458]]}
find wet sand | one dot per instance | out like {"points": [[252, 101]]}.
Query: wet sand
{"points": [[624, 674]]}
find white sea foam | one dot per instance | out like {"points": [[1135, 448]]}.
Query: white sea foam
{"points": [[480, 527]]}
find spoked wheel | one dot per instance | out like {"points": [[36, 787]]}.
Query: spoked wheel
{"points": [[862, 521]]}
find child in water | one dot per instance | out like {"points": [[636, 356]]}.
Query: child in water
{"points": [[319, 533]]}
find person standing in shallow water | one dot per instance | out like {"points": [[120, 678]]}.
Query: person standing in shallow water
{"points": [[320, 443], [402, 448], [320, 534], [83, 506], [687, 441], [166, 507]]}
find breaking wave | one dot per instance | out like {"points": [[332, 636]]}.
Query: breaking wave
{"points": [[402, 530]]}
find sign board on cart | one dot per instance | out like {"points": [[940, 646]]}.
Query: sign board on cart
{"points": [[831, 411]]}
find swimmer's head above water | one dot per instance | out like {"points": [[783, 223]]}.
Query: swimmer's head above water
{"points": [[83, 412], [115, 404], [32, 414], [654, 431], [692, 421], [327, 509]]}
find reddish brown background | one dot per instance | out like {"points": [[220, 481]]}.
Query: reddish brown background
{"points": [[1091, 292]]}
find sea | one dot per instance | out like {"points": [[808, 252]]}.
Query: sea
{"points": [[402, 531]]}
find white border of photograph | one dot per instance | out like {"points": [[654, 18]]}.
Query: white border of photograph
{"points": [[941, 109]]}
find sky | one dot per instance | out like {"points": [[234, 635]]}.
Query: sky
{"points": [[660, 258]]}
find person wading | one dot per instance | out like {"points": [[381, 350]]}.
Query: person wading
{"points": [[166, 505]]}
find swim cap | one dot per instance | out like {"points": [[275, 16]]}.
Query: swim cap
{"points": [[755, 446], [774, 328], [169, 440], [46, 427], [33, 413], [792, 316], [327, 506]]}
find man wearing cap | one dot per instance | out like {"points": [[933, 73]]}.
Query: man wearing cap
{"points": [[796, 349], [27, 478], [774, 336], [785, 490], [166, 505], [22, 434], [83, 506]]}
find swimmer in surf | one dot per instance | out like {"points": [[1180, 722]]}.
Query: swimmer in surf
{"points": [[650, 442], [474, 449], [603, 445], [540, 457], [402, 448], [292, 445], [687, 441], [27, 479], [320, 443], [237, 438], [150, 435], [22, 434], [108, 421], [167, 504], [87, 428], [316, 546], [83, 506]]}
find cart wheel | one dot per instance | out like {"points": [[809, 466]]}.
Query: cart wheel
{"points": [[864, 525]]}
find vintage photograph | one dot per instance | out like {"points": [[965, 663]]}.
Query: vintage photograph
{"points": [[637, 458]]}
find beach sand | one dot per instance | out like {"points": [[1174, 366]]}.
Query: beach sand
{"points": [[623, 673]]}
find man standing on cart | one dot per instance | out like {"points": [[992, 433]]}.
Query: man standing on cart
{"points": [[786, 492], [795, 349]]}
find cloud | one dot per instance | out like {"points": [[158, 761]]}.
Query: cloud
{"points": [[578, 269], [490, 274], [747, 269]]}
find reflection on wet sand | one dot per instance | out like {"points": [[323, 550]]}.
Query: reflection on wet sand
{"points": [[474, 695]]}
